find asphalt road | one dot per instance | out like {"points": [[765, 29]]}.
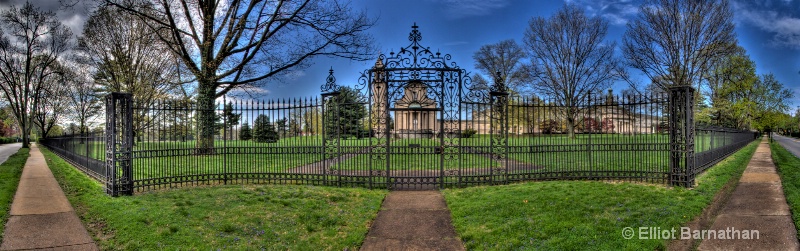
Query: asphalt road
{"points": [[791, 144], [7, 150]]}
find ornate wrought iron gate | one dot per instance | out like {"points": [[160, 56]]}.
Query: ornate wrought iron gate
{"points": [[421, 109]]}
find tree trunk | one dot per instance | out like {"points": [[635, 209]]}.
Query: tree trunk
{"points": [[571, 127], [205, 118], [26, 135]]}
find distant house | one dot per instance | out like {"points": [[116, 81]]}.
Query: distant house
{"points": [[414, 115]]}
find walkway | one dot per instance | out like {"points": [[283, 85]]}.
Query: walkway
{"points": [[413, 220], [41, 216], [757, 203]]}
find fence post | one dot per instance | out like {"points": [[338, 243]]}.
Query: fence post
{"points": [[330, 140], [119, 144], [681, 136], [499, 127]]}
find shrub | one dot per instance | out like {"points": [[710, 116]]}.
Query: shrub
{"points": [[467, 133]]}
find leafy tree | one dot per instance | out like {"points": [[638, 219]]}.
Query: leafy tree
{"points": [[31, 44], [349, 111], [678, 40], [570, 59], [244, 132], [766, 101], [248, 43], [264, 131]]}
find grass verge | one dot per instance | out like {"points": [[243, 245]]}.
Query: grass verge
{"points": [[789, 169], [10, 171], [570, 215], [251, 217]]}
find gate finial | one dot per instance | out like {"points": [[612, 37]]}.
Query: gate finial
{"points": [[330, 85], [415, 36]]}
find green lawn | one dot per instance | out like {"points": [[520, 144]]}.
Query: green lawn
{"points": [[548, 153], [251, 217], [789, 169], [10, 171], [571, 215]]}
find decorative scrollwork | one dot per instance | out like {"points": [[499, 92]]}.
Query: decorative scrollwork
{"points": [[330, 84]]}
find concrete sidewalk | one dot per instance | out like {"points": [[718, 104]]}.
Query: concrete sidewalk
{"points": [[757, 203], [41, 216], [413, 220]]}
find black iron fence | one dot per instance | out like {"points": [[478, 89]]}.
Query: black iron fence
{"points": [[338, 142]]}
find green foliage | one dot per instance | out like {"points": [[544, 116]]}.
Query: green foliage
{"points": [[10, 172], [739, 98], [5, 140], [244, 132], [344, 115], [235, 217], [227, 120], [468, 133], [575, 215], [264, 131], [282, 127]]}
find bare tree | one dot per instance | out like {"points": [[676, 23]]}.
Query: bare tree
{"points": [[31, 44], [83, 97], [238, 44], [128, 57], [678, 40], [505, 58], [53, 103], [570, 59]]}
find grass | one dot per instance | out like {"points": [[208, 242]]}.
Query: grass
{"points": [[569, 215], [10, 172], [789, 169], [551, 153], [250, 217], [213, 164]]}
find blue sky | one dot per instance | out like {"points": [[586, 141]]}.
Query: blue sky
{"points": [[768, 30]]}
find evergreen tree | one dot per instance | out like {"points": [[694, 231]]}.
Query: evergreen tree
{"points": [[244, 132], [264, 131], [349, 111], [282, 126]]}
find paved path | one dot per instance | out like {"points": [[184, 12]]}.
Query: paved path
{"points": [[413, 220], [41, 216], [757, 203]]}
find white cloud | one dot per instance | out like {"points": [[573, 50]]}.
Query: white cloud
{"points": [[456, 9], [456, 43], [785, 28], [617, 12]]}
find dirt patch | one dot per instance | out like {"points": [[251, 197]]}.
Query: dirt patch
{"points": [[706, 219]]}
